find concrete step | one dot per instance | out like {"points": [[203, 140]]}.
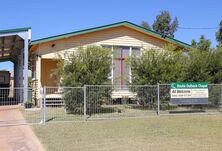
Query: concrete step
{"points": [[123, 94], [54, 100]]}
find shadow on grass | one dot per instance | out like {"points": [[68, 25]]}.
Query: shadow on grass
{"points": [[103, 110], [97, 110], [50, 119], [141, 107], [190, 111]]}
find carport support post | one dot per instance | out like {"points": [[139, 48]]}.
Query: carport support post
{"points": [[25, 74], [158, 99], [85, 102]]}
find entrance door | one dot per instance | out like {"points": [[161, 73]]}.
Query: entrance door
{"points": [[121, 69]]}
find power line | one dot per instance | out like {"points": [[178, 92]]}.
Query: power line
{"points": [[198, 28]]}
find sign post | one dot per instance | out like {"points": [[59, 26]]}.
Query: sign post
{"points": [[189, 93], [158, 99]]}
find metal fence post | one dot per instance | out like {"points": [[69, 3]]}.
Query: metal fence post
{"points": [[158, 99], [220, 105], [44, 106], [85, 118]]}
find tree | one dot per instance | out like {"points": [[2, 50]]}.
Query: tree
{"points": [[85, 66], [203, 44], [156, 66], [163, 24], [145, 25], [196, 66], [214, 66], [166, 66], [206, 66], [219, 34]]}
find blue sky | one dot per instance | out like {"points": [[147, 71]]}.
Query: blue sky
{"points": [[51, 17]]}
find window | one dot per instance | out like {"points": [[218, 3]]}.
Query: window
{"points": [[121, 71], [136, 51]]}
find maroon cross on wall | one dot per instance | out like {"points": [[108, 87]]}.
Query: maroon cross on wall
{"points": [[121, 66]]}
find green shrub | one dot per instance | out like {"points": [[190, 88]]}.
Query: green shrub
{"points": [[74, 100], [86, 66]]}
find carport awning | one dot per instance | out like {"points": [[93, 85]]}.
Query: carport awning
{"points": [[9, 47], [14, 45], [11, 44]]}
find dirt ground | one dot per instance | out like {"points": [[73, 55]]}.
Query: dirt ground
{"points": [[14, 134]]}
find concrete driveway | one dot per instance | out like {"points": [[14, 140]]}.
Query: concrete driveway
{"points": [[15, 136]]}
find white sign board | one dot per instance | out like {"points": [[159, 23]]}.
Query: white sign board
{"points": [[184, 93]]}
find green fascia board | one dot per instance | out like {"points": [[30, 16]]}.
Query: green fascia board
{"points": [[124, 23], [14, 30], [159, 35], [66, 35]]}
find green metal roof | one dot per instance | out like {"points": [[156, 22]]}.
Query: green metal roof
{"points": [[14, 30], [124, 23]]}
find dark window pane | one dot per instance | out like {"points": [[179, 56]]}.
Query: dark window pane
{"points": [[116, 52], [116, 72], [125, 52], [136, 51], [125, 73]]}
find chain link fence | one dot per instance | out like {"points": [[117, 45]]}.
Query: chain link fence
{"points": [[108, 101], [63, 104], [14, 110], [99, 102]]}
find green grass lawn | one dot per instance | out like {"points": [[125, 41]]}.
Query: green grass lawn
{"points": [[193, 132], [34, 115], [58, 114]]}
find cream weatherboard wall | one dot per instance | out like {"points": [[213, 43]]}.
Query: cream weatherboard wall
{"points": [[117, 36], [47, 67]]}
